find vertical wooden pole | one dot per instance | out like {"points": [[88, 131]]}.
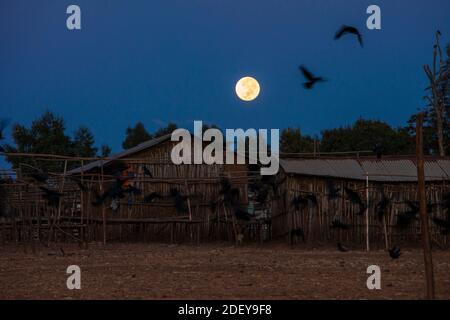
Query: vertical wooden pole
{"points": [[189, 206], [423, 209], [82, 228], [367, 213], [386, 241], [61, 190], [103, 206], [188, 198]]}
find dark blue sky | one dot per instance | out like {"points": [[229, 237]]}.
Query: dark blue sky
{"points": [[163, 60]]}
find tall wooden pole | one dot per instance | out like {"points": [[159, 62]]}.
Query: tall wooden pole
{"points": [[423, 209], [103, 205], [367, 214]]}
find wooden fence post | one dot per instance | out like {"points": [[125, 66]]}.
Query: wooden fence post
{"points": [[423, 209]]}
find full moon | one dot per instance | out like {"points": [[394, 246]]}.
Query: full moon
{"points": [[247, 88]]}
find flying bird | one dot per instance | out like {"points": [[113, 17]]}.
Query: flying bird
{"points": [[405, 218], [51, 196], [179, 200], [355, 199], [213, 205], [272, 182], [381, 206], [312, 199], [151, 197], [115, 191], [297, 233], [378, 149], [299, 202], [147, 172], [333, 192], [443, 224], [395, 252], [341, 247], [116, 167], [263, 194], [338, 224], [80, 185], [241, 214], [133, 190], [446, 203], [311, 79], [349, 30], [40, 176], [231, 195]]}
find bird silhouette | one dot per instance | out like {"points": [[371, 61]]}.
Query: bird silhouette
{"points": [[338, 224], [378, 149], [151, 197], [80, 185], [395, 252], [355, 199], [311, 79], [40, 176], [349, 30], [133, 190], [341, 247], [263, 194], [333, 192], [273, 182], [443, 224], [312, 199], [180, 201], [51, 196], [147, 172], [241, 214], [405, 218], [116, 167], [231, 196], [446, 203], [298, 202], [115, 191], [380, 207], [213, 205], [297, 233]]}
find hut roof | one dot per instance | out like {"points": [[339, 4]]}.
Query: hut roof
{"points": [[389, 169], [124, 154]]}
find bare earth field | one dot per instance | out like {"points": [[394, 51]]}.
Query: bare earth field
{"points": [[214, 271]]}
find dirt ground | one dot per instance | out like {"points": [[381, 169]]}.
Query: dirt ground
{"points": [[214, 271]]}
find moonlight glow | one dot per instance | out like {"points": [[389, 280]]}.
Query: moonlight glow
{"points": [[247, 88]]}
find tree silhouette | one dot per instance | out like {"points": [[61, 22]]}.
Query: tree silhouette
{"points": [[135, 136]]}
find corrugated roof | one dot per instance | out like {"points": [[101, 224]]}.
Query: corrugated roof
{"points": [[123, 154], [385, 170], [445, 166]]}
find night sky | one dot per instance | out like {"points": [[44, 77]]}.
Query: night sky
{"points": [[157, 61]]}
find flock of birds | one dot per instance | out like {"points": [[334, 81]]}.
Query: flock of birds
{"points": [[120, 188], [403, 219], [230, 196], [311, 79]]}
